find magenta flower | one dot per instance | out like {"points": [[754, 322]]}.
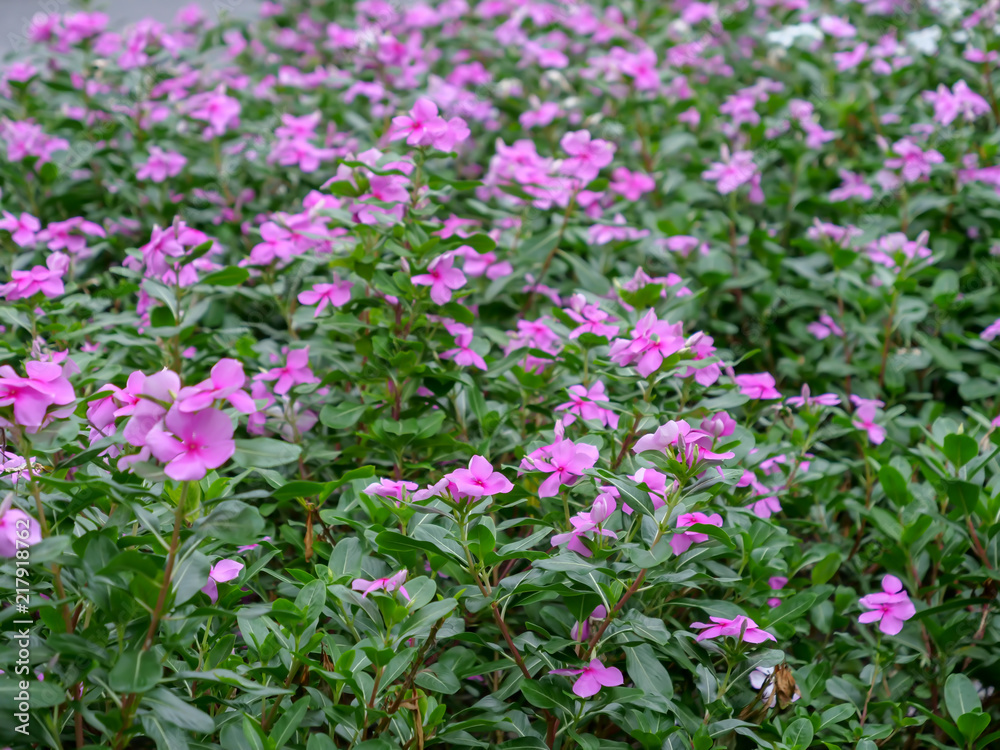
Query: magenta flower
{"points": [[890, 609], [388, 585], [776, 583], [759, 385], [682, 439], [583, 524], [587, 156], [192, 443], [853, 186], [337, 294], [991, 331], [31, 396], [583, 404], [390, 488], [682, 540], [732, 172], [47, 279], [480, 479], [17, 530], [914, 163], [631, 185], [161, 165], [421, 127], [225, 384], [22, 230], [564, 461], [593, 677], [463, 354], [442, 277], [222, 572], [652, 341], [732, 628], [806, 399], [864, 419], [295, 372], [581, 630]]}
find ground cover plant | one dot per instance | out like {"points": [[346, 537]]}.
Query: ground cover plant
{"points": [[502, 374]]}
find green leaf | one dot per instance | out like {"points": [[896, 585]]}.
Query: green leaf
{"points": [[826, 568], [341, 416], [231, 276], [798, 734], [973, 724], [265, 453], [299, 488], [963, 494], [166, 735], [894, 485], [960, 449], [289, 722], [232, 521], [174, 710], [135, 672], [647, 672], [960, 696]]}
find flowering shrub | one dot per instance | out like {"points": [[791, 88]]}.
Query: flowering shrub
{"points": [[502, 374]]}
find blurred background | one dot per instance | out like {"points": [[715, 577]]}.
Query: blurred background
{"points": [[15, 15]]}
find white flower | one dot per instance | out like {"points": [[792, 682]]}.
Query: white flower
{"points": [[924, 41], [787, 36]]}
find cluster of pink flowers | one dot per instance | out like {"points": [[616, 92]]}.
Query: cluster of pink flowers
{"points": [[182, 427], [163, 256], [425, 127], [586, 523], [46, 384]]}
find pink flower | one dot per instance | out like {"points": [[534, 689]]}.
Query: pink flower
{"points": [[47, 279], [221, 572], [295, 372], [564, 461], [220, 111], [17, 530], [192, 443], [682, 540], [825, 327], [422, 126], [224, 384], [682, 439], [583, 524], [593, 677], [31, 396], [864, 420], [733, 628], [630, 185], [759, 385], [582, 403], [991, 331], [161, 165], [732, 172], [890, 609], [463, 354], [442, 277], [581, 630], [961, 100], [652, 341], [805, 400], [22, 230], [587, 157], [915, 163], [390, 488], [854, 186], [337, 294], [388, 585], [776, 583], [480, 479]]}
